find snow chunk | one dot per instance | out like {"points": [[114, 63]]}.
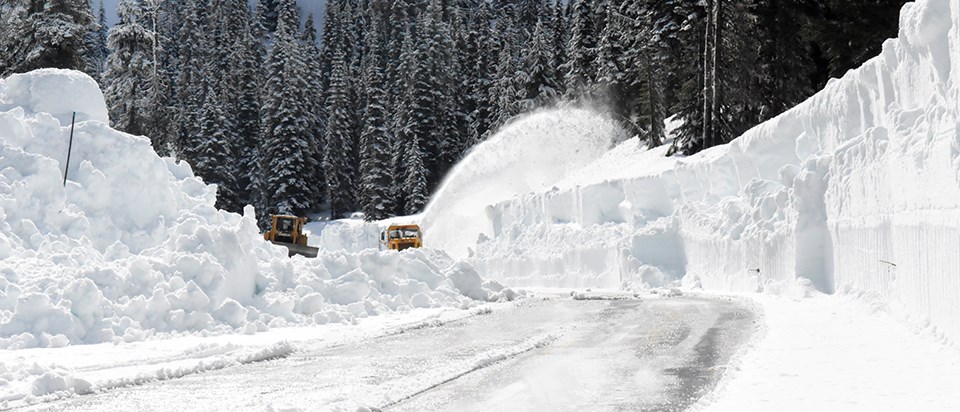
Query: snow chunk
{"points": [[57, 92], [466, 279]]}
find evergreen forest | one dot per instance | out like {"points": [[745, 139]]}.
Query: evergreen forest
{"points": [[370, 110]]}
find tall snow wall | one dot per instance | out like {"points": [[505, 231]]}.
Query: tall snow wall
{"points": [[856, 189]]}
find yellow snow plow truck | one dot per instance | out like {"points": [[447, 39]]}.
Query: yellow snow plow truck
{"points": [[400, 237], [287, 231]]}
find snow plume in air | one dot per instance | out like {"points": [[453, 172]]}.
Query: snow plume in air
{"points": [[529, 154]]}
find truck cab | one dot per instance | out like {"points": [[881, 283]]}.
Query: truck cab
{"points": [[400, 237]]}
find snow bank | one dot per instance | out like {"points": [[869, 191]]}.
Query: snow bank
{"points": [[133, 246], [858, 188], [345, 235], [839, 352]]}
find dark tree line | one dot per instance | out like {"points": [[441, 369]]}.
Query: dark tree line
{"points": [[371, 112]]}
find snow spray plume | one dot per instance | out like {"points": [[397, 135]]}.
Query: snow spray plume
{"points": [[529, 154]]}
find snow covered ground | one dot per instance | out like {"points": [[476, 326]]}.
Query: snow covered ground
{"points": [[556, 351], [44, 375], [131, 249], [845, 352], [840, 220]]}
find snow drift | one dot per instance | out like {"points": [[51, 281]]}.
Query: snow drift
{"points": [[856, 189], [133, 246]]}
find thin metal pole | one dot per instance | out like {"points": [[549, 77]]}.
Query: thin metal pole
{"points": [[66, 170]]}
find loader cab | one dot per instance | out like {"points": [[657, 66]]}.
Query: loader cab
{"points": [[285, 225], [400, 237], [287, 229]]}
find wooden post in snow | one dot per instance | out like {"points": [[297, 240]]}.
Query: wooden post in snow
{"points": [[66, 169]]}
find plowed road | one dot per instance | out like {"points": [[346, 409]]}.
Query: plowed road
{"points": [[553, 354]]}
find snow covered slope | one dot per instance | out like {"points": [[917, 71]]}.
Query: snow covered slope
{"points": [[133, 246], [856, 189]]}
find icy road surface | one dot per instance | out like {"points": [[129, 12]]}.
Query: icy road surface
{"points": [[539, 354]]}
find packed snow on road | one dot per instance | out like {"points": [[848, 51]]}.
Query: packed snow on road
{"points": [[810, 264]]}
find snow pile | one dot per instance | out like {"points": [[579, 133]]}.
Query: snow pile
{"points": [[858, 188], [838, 352], [530, 154], [346, 234], [133, 246], [353, 234]]}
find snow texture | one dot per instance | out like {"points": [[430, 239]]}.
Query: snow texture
{"points": [[133, 247], [856, 189], [842, 352]]}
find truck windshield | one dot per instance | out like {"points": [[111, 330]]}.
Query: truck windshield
{"points": [[404, 233], [285, 225]]}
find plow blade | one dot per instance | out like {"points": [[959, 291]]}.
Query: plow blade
{"points": [[308, 251]]}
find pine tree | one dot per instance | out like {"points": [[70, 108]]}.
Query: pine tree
{"points": [[337, 143], [401, 117], [415, 184], [642, 82], [413, 119], [463, 54], [247, 68], [376, 198], [736, 101], [214, 154], [188, 84], [332, 41], [538, 77], [130, 68], [482, 81], [47, 33], [581, 50], [400, 29], [283, 144], [316, 107], [504, 95], [728, 61], [784, 67], [268, 12], [847, 33], [355, 19], [263, 35], [159, 125], [439, 135], [689, 104], [611, 75], [559, 45], [95, 61]]}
